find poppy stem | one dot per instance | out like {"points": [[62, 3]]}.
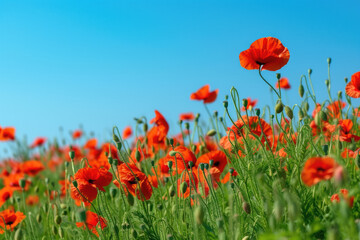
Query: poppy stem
{"points": [[268, 83]]}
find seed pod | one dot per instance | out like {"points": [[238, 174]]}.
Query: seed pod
{"points": [[184, 187], [130, 199], [289, 112], [199, 214], [246, 207], [171, 191], [211, 132], [279, 107], [301, 90]]}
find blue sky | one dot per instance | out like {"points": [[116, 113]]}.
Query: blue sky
{"points": [[101, 63]]}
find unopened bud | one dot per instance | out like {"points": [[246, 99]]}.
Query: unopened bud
{"points": [[171, 141], [130, 199], [172, 153], [183, 187], [72, 154], [279, 107], [301, 90], [57, 219], [211, 163], [301, 114], [327, 82], [113, 192], [289, 112], [245, 102], [22, 183], [246, 207], [328, 60], [18, 234], [278, 76], [171, 191], [170, 164], [257, 112], [137, 156], [215, 114], [211, 132], [346, 80], [325, 149], [145, 127], [187, 125], [75, 183], [339, 94], [226, 104]]}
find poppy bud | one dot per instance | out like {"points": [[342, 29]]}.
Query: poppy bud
{"points": [[54, 230], [61, 232], [152, 163], [201, 165], [339, 94], [22, 183], [38, 218], [327, 82], [232, 185], [160, 207], [197, 117], [75, 183], [301, 114], [226, 104], [137, 156], [110, 160], [187, 125], [310, 71], [118, 145], [346, 80], [171, 141], [231, 171], [199, 214], [134, 233], [170, 164], [215, 114], [211, 162], [124, 225], [211, 132], [193, 148], [257, 112], [116, 162], [116, 230], [172, 153], [289, 112], [183, 187], [206, 166], [66, 164], [138, 121], [171, 191], [191, 164], [323, 115], [82, 215], [57, 219], [245, 102], [325, 149], [328, 60], [318, 119], [113, 192], [301, 90], [279, 107], [145, 127], [130, 199], [116, 138], [246, 207], [71, 154]]}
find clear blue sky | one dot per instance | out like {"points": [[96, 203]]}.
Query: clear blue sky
{"points": [[101, 63]]}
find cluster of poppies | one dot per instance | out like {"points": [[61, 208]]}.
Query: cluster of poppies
{"points": [[196, 168]]}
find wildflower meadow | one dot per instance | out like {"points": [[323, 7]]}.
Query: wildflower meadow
{"points": [[239, 172]]}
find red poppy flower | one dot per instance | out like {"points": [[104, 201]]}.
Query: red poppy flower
{"points": [[284, 83], [132, 178], [345, 126], [91, 143], [38, 142], [345, 195], [317, 169], [250, 104], [77, 134], [204, 94], [7, 134], [5, 194], [187, 116], [227, 176], [353, 87], [32, 167], [191, 182], [157, 134], [335, 108], [93, 220], [218, 157], [32, 200], [10, 219], [127, 132], [266, 52]]}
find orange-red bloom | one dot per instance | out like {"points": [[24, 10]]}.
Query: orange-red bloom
{"points": [[10, 219], [5, 194], [32, 200], [345, 195], [204, 94], [127, 132], [7, 134], [32, 167], [38, 142], [93, 220], [131, 179], [353, 87], [77, 134], [266, 52], [250, 104], [218, 157], [187, 116], [284, 83], [317, 169]]}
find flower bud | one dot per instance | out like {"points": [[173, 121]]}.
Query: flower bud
{"points": [[245, 102], [289, 112], [57, 219], [54, 230], [138, 121], [116, 138], [279, 107], [171, 191], [191, 164], [145, 127], [22, 183], [246, 207], [113, 192], [221, 119], [169, 237], [82, 215], [134, 233], [358, 160], [301, 114], [301, 90], [220, 223], [110, 160], [172, 153], [325, 149], [346, 80], [137, 156], [130, 199], [72, 154], [211, 162], [75, 183], [183, 187], [170, 164], [215, 114], [187, 125], [193, 148], [226, 104], [278, 76], [171, 141], [328, 60], [211, 132], [38, 218], [61, 232], [201, 165], [206, 166], [339, 94], [257, 112], [327, 82]]}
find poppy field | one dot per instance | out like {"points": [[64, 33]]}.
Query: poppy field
{"points": [[240, 172]]}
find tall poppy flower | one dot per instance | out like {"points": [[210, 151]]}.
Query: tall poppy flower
{"points": [[344, 193], [32, 167], [218, 157], [10, 219], [204, 94], [131, 179], [5, 194], [77, 134], [7, 134], [38, 142], [187, 116], [267, 52], [283, 83], [317, 169], [92, 220], [353, 87], [127, 132], [250, 104]]}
